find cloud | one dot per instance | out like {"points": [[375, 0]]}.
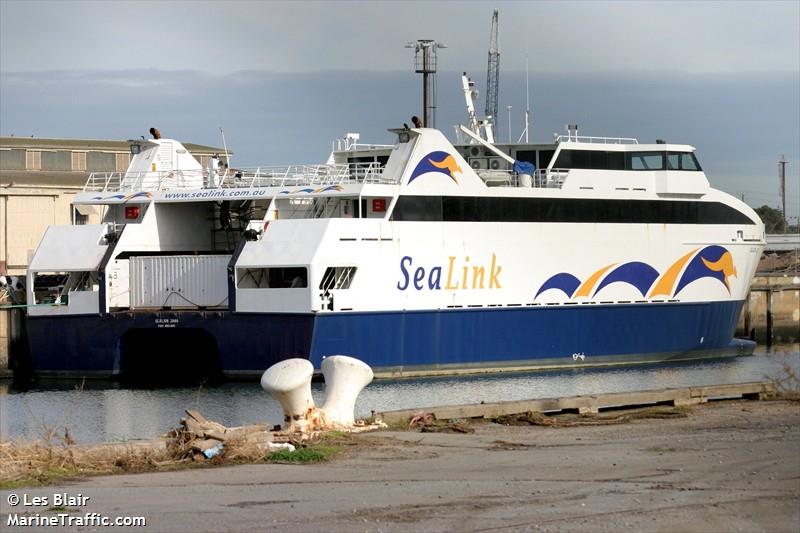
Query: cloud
{"points": [[314, 36], [740, 123]]}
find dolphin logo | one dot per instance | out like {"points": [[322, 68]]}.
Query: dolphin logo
{"points": [[724, 264], [710, 262], [137, 195], [438, 161], [448, 163]]}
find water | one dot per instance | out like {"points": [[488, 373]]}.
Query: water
{"points": [[105, 412]]}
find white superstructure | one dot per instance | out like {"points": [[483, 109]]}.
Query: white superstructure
{"points": [[419, 255]]}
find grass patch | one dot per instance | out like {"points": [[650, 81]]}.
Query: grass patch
{"points": [[661, 449], [315, 453], [39, 478], [786, 381]]}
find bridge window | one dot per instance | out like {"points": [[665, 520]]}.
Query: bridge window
{"points": [[611, 160], [682, 161], [689, 162], [645, 161]]}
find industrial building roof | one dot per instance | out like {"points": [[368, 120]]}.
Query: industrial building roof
{"points": [[38, 178], [89, 144]]}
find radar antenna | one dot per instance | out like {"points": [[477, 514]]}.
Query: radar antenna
{"points": [[425, 64]]}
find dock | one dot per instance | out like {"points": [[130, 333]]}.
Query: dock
{"points": [[590, 404]]}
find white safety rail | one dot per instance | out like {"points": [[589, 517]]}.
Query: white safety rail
{"points": [[595, 140], [138, 181], [273, 176], [348, 144], [550, 179], [303, 175], [542, 179]]}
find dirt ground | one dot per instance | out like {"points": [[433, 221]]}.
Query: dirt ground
{"points": [[728, 466]]}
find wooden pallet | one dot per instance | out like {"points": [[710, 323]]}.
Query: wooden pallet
{"points": [[591, 403]]}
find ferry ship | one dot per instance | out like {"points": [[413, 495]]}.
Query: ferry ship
{"points": [[417, 258]]}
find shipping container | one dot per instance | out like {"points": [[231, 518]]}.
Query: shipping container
{"points": [[179, 281]]}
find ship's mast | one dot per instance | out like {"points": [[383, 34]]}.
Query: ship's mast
{"points": [[425, 64]]}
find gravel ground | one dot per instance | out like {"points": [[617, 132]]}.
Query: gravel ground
{"points": [[728, 466]]}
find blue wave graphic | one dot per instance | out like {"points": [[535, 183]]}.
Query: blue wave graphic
{"points": [[565, 282], [640, 275]]}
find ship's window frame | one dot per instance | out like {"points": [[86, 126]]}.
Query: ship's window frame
{"points": [[610, 160], [673, 161], [686, 161], [645, 161], [693, 159], [337, 278], [286, 277], [421, 208]]}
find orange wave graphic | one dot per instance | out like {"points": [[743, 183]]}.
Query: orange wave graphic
{"points": [[667, 280], [586, 286]]}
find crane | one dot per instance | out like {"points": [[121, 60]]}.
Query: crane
{"points": [[493, 72]]}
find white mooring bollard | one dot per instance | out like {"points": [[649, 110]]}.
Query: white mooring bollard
{"points": [[345, 378], [290, 383]]}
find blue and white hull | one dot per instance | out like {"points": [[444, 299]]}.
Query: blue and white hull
{"points": [[394, 343], [416, 266]]}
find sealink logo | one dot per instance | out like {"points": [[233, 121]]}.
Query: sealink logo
{"points": [[461, 274], [709, 262], [125, 198], [438, 161], [309, 190]]}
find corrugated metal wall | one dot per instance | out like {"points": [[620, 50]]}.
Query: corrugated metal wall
{"points": [[187, 281]]}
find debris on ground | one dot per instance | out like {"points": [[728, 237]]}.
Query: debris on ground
{"points": [[603, 418], [200, 439]]}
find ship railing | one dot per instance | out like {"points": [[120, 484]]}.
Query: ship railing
{"points": [[307, 175], [144, 181], [351, 145], [541, 179], [595, 140], [248, 178], [553, 178]]}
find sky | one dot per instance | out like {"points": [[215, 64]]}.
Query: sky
{"points": [[286, 78]]}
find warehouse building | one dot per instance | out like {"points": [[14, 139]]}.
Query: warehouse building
{"points": [[40, 177]]}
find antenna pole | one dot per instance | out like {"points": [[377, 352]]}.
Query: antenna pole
{"points": [[225, 147], [527, 91], [509, 123]]}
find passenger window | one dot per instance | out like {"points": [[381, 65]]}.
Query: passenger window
{"points": [[616, 161]]}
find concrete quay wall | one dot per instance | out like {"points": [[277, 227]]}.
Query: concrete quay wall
{"points": [[771, 314]]}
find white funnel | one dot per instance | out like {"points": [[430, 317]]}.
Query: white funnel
{"points": [[345, 377], [290, 383]]}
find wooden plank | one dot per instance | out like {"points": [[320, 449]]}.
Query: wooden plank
{"points": [[590, 404]]}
